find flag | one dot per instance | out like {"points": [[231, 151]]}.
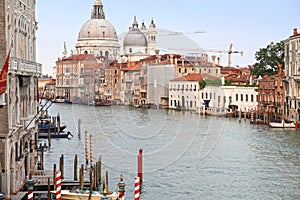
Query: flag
{"points": [[3, 75]]}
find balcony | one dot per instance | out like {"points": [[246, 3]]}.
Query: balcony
{"points": [[297, 77], [24, 66]]}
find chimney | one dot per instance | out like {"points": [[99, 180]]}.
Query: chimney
{"points": [[172, 59], [213, 58], [219, 61], [280, 69], [295, 31], [182, 61]]}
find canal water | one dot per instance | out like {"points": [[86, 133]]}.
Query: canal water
{"points": [[185, 155]]}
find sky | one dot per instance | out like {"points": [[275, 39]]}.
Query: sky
{"points": [[249, 24]]}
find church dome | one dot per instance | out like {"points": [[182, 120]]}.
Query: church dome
{"points": [[97, 29], [135, 38]]}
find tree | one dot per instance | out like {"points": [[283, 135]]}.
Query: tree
{"points": [[202, 84], [268, 59]]}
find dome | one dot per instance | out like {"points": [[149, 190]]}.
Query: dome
{"points": [[97, 29], [135, 38]]}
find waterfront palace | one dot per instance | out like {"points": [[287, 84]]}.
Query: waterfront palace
{"points": [[18, 104]]}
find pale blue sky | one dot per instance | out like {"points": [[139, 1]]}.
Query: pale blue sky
{"points": [[248, 24]]}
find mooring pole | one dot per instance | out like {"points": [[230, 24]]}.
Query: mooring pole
{"points": [[91, 150], [140, 166], [79, 129], [75, 168], [30, 184], [86, 149], [121, 187], [81, 177]]}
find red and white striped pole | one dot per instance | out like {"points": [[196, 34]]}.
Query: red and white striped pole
{"points": [[58, 185], [137, 188], [86, 149], [30, 184], [91, 150]]}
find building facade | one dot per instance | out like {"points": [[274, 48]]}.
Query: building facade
{"points": [[271, 97], [18, 107], [292, 73]]}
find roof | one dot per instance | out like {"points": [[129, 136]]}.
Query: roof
{"points": [[194, 77]]}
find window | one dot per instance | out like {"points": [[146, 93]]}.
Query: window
{"points": [[179, 70], [206, 95], [209, 71], [191, 104], [241, 97], [202, 95], [236, 97], [216, 71], [246, 97], [252, 98], [185, 70], [116, 72]]}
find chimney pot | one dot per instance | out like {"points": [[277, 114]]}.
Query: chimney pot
{"points": [[295, 31]]}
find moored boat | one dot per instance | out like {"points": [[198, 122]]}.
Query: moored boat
{"points": [[55, 135], [283, 124], [84, 195], [257, 121], [44, 128]]}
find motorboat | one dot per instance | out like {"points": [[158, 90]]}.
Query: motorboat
{"points": [[84, 195], [283, 124], [55, 135]]}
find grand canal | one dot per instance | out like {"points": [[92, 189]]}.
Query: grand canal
{"points": [[186, 155]]}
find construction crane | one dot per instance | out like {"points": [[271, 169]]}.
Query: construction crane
{"points": [[201, 51], [171, 33], [229, 51]]}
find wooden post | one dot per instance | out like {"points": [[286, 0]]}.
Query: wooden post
{"points": [[61, 167], [106, 186], [49, 194], [100, 175], [81, 177], [79, 129], [91, 183], [58, 123], [42, 156], [75, 168], [54, 177]]}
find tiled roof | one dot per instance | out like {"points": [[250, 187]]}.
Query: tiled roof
{"points": [[194, 77]]}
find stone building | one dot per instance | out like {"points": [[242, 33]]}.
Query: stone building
{"points": [[18, 105], [292, 73]]}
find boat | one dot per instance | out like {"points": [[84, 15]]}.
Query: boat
{"points": [[84, 195], [59, 99], [257, 121], [101, 100], [55, 135], [44, 128], [45, 124], [283, 124]]}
